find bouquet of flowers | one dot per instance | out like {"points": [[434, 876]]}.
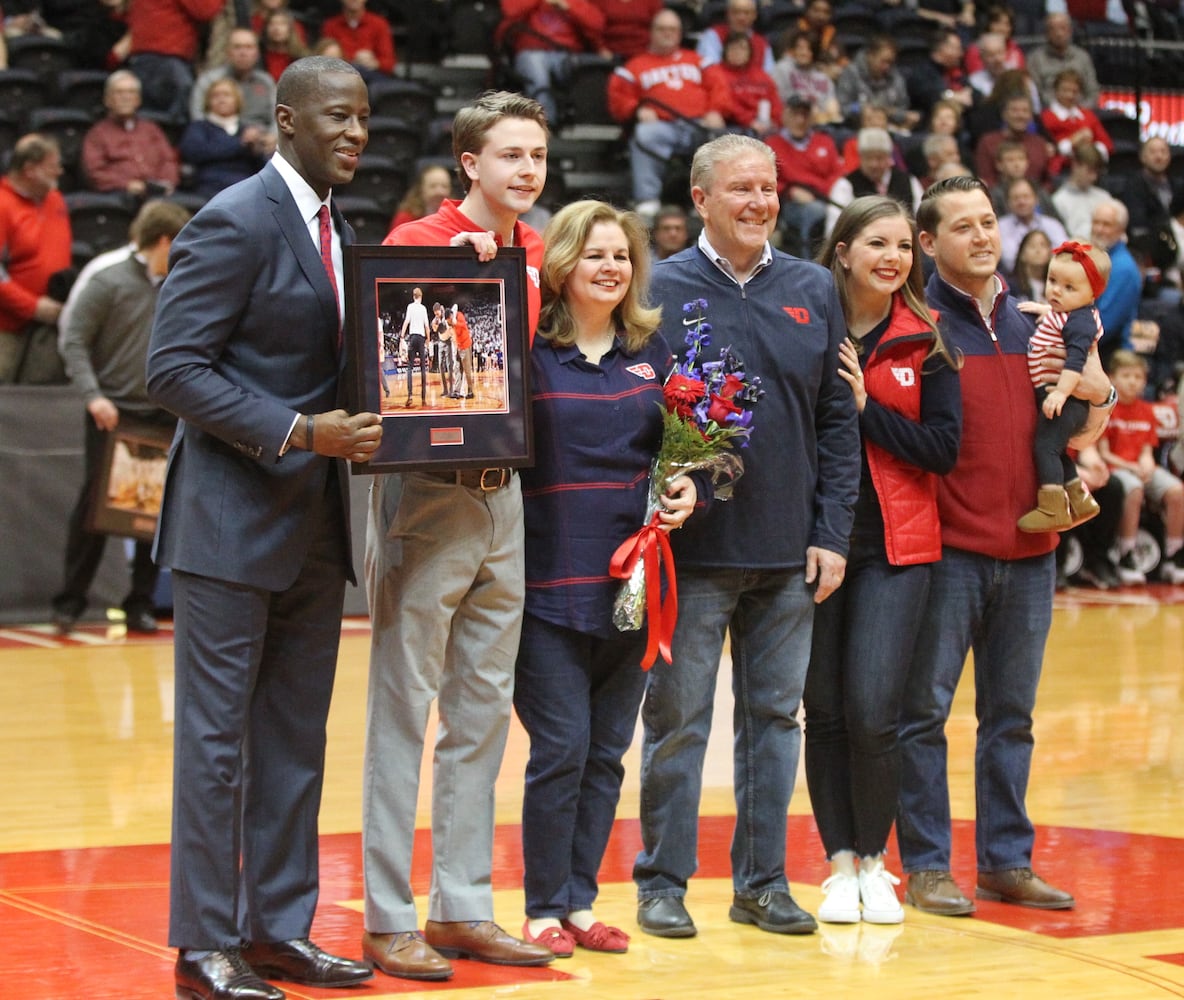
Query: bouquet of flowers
{"points": [[708, 414]]}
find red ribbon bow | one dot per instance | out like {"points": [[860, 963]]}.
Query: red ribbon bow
{"points": [[1080, 254], [649, 544]]}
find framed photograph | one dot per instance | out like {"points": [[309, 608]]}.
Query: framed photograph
{"points": [[126, 501], [439, 347]]}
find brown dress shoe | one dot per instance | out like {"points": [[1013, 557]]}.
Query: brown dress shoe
{"points": [[404, 954], [1023, 887], [484, 941], [938, 893]]}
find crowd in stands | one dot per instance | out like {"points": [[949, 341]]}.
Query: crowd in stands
{"points": [[854, 98]]}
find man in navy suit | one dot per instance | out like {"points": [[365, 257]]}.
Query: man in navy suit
{"points": [[255, 526]]}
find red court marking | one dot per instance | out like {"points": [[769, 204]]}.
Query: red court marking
{"points": [[1177, 959], [104, 910]]}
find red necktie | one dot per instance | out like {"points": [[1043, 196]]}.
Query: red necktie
{"points": [[326, 228]]}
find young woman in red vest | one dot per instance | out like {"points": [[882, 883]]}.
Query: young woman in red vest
{"points": [[905, 386]]}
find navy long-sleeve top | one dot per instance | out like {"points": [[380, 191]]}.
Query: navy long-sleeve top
{"points": [[801, 468], [218, 158], [597, 429]]}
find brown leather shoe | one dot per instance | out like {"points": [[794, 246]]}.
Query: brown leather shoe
{"points": [[405, 954], [1023, 887], [938, 893], [484, 941]]}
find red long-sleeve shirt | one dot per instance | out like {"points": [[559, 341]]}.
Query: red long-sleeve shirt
{"points": [[816, 166], [748, 86], [169, 27], [676, 80], [437, 229], [578, 28], [373, 32], [1059, 124], [113, 155], [34, 243], [627, 25]]}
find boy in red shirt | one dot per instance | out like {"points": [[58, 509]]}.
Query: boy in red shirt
{"points": [[1128, 447], [445, 582]]}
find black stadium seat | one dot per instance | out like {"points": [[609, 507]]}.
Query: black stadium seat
{"points": [[379, 178], [81, 89], [371, 223], [100, 219], [21, 91], [45, 56]]}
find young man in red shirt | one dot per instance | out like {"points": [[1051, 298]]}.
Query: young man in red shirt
{"points": [[445, 581]]}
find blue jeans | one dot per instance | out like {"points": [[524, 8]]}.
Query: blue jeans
{"points": [[652, 146], [800, 221], [539, 69], [577, 696], [165, 82], [1001, 609], [864, 638], [769, 615]]}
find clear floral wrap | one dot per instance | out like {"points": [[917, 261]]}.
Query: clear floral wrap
{"points": [[708, 413]]}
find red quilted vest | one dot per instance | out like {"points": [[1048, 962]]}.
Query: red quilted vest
{"points": [[907, 494]]}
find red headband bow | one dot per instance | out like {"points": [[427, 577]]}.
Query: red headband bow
{"points": [[1080, 253]]}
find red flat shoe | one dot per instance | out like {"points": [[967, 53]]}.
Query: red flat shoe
{"points": [[558, 941], [599, 937]]}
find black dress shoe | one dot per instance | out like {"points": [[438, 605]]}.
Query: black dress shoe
{"points": [[141, 621], [773, 911], [221, 975], [665, 916], [301, 961]]}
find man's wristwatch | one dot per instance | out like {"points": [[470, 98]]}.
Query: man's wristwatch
{"points": [[1110, 400]]}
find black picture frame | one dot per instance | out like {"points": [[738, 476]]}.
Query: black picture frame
{"points": [[423, 429], [127, 492]]}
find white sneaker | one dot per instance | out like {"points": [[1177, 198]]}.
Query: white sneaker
{"points": [[880, 905], [1128, 572], [840, 903]]}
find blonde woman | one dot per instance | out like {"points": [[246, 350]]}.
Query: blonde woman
{"points": [[598, 364]]}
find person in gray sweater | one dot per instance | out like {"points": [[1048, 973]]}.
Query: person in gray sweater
{"points": [[104, 345]]}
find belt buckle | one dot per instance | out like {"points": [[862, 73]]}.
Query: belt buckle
{"points": [[503, 476]]}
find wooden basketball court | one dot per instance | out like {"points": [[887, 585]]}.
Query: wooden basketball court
{"points": [[85, 749]]}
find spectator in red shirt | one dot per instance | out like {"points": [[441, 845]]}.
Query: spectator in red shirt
{"points": [[808, 165], [365, 39], [1128, 447], [1068, 124], [282, 40], [673, 107], [432, 185], [165, 37], [35, 243], [756, 104], [627, 26], [544, 35], [263, 11]]}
